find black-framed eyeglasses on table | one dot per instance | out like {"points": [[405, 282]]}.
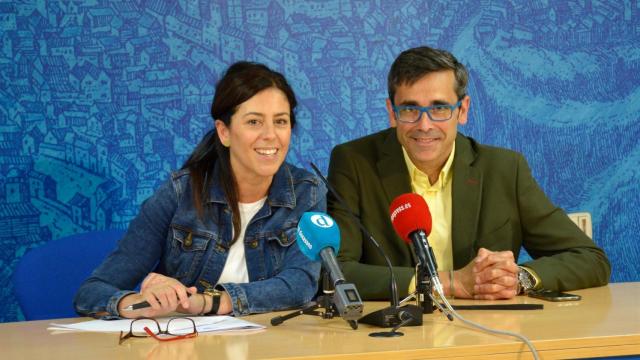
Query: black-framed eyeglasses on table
{"points": [[177, 328]]}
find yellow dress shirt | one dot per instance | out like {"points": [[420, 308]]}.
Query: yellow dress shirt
{"points": [[438, 197]]}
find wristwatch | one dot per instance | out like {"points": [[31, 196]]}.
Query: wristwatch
{"points": [[526, 280], [215, 294]]}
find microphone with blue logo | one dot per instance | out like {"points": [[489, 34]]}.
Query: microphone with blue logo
{"points": [[318, 237]]}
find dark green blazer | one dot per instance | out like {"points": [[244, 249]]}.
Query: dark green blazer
{"points": [[497, 205]]}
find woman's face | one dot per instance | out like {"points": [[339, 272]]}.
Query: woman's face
{"points": [[258, 136]]}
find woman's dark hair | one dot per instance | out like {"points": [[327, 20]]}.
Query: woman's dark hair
{"points": [[240, 82]]}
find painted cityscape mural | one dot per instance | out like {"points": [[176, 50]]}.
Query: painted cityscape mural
{"points": [[100, 100]]}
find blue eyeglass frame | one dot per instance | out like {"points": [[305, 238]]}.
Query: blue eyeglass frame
{"points": [[425, 109]]}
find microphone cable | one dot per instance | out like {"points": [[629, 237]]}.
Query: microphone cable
{"points": [[453, 312]]}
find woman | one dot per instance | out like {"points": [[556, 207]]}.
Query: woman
{"points": [[227, 218]]}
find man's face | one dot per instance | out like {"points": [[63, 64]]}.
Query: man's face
{"points": [[429, 143]]}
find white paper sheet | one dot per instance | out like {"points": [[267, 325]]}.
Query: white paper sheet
{"points": [[203, 324]]}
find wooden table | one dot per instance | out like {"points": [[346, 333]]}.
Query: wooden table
{"points": [[605, 323]]}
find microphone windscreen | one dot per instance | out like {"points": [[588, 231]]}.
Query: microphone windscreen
{"points": [[317, 231], [409, 212]]}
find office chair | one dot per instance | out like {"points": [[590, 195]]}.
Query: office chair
{"points": [[46, 279]]}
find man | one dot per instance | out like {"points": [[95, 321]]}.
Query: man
{"points": [[484, 201]]}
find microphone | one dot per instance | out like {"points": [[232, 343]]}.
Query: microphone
{"points": [[411, 219], [389, 316], [318, 237]]}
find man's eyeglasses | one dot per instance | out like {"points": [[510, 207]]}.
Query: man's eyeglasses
{"points": [[177, 328], [411, 113]]}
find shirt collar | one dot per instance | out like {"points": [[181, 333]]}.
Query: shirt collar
{"points": [[417, 175]]}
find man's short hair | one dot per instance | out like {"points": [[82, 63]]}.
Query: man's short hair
{"points": [[411, 65]]}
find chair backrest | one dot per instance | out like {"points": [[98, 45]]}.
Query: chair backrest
{"points": [[46, 278], [583, 220]]}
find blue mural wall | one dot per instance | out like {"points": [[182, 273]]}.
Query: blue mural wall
{"points": [[100, 99]]}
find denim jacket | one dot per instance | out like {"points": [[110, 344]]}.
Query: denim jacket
{"points": [[169, 238]]}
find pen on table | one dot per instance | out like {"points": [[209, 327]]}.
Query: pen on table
{"points": [[141, 305]]}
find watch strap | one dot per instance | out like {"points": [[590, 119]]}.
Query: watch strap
{"points": [[216, 294], [215, 304]]}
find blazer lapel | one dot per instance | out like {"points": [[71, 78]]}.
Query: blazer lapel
{"points": [[466, 198], [392, 169]]}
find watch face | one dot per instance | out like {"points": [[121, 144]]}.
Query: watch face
{"points": [[525, 279]]}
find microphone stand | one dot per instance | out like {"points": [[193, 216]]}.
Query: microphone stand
{"points": [[424, 289], [325, 302], [394, 315], [424, 295]]}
